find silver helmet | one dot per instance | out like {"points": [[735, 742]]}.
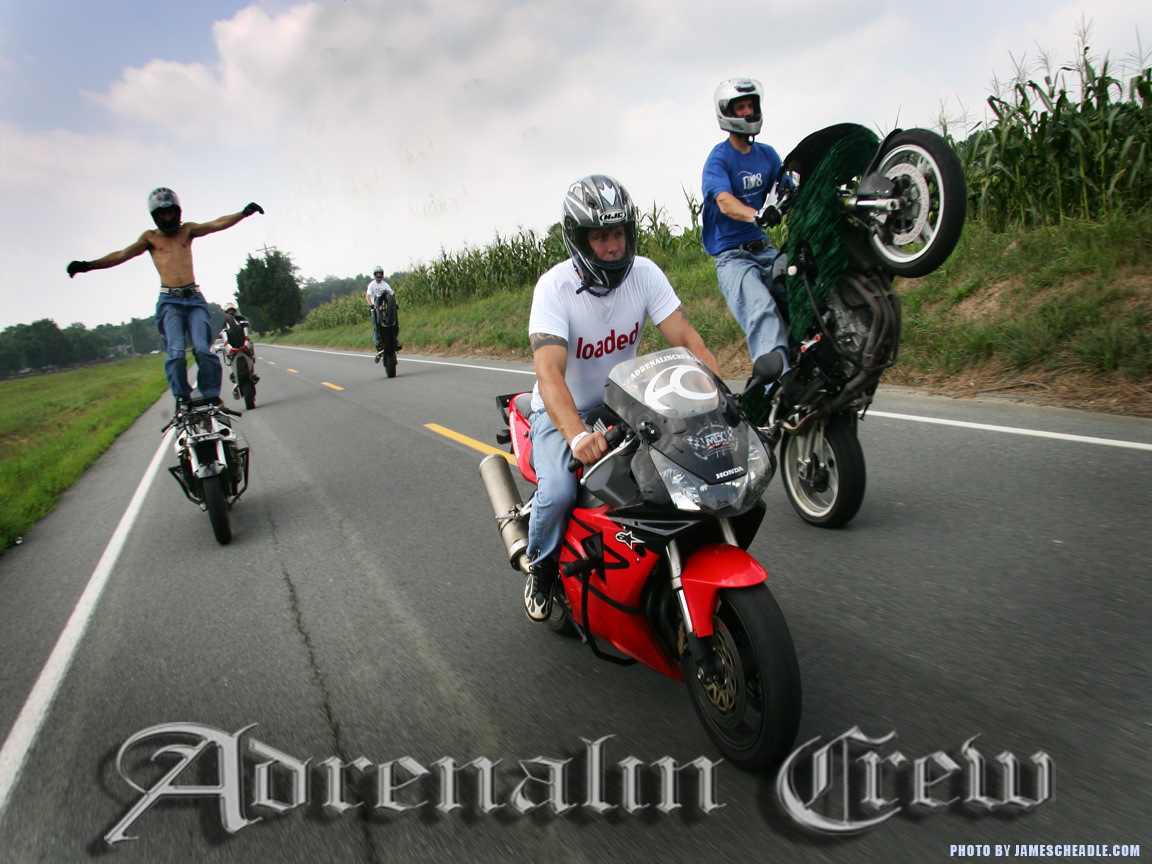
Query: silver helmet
{"points": [[598, 201], [161, 199], [379, 271], [739, 88]]}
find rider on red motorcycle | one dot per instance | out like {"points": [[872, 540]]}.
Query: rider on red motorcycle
{"points": [[234, 337], [588, 313]]}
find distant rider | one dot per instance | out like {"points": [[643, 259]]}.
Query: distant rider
{"points": [[738, 175], [180, 305], [235, 337], [602, 296], [375, 288]]}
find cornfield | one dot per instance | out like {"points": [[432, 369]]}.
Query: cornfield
{"points": [[1052, 154]]}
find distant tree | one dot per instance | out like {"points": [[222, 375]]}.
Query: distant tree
{"points": [[268, 291], [86, 344]]}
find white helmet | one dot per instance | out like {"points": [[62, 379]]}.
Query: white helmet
{"points": [[230, 306], [739, 88]]}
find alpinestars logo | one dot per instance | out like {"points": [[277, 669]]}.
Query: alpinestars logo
{"points": [[628, 539]]}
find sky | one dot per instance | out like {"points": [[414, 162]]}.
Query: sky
{"points": [[379, 132]]}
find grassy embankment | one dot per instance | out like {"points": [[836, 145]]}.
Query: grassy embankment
{"points": [[52, 427]]}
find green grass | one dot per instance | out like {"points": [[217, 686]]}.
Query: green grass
{"points": [[52, 427]]}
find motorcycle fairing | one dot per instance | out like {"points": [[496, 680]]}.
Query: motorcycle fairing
{"points": [[711, 568], [614, 594]]}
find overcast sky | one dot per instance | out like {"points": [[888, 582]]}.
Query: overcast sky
{"points": [[379, 131]]}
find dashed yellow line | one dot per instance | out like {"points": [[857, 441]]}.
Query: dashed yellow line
{"points": [[470, 442], [333, 386], [270, 362], [294, 370]]}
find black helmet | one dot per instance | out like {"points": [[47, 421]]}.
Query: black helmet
{"points": [[161, 199], [598, 201], [379, 271]]}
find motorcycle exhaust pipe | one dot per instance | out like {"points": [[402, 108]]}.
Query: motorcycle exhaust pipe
{"points": [[506, 503]]}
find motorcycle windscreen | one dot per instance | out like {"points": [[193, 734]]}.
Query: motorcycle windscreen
{"points": [[671, 399]]}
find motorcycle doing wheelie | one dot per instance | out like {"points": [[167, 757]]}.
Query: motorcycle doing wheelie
{"points": [[385, 320], [240, 357], [654, 566], [212, 461], [859, 212]]}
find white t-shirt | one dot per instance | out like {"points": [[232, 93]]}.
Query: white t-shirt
{"points": [[600, 331], [375, 289]]}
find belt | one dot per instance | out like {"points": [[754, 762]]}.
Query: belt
{"points": [[756, 246], [182, 291]]}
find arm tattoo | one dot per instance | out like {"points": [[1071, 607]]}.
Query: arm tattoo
{"points": [[539, 340], [683, 314]]}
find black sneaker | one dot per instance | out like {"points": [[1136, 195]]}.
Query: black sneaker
{"points": [[538, 587]]}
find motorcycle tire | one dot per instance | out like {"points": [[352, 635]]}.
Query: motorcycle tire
{"points": [[752, 713], [560, 621], [390, 364], [915, 241], [833, 496], [217, 507], [248, 393]]}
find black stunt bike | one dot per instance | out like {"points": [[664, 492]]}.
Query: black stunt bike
{"points": [[387, 330], [859, 211]]}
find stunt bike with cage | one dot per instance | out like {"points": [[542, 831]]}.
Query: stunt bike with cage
{"points": [[859, 211], [212, 461], [387, 329], [654, 566]]}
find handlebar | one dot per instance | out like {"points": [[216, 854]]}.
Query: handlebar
{"points": [[613, 436], [200, 409]]}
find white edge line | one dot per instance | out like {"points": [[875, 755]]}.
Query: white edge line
{"points": [[1011, 430], [27, 726]]}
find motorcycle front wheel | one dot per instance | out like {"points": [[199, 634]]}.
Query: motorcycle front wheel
{"points": [[390, 363], [217, 507], [917, 239], [752, 712], [823, 471], [248, 392]]}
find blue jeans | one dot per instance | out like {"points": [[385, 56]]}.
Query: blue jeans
{"points": [[556, 489], [744, 278], [174, 315]]}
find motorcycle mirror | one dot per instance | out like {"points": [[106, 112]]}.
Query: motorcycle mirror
{"points": [[767, 368]]}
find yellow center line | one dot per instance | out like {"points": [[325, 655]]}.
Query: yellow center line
{"points": [[270, 362], [293, 370], [470, 442], [333, 386]]}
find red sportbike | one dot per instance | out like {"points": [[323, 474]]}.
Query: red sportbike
{"points": [[654, 567]]}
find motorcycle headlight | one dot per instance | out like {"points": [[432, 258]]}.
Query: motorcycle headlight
{"points": [[727, 498]]}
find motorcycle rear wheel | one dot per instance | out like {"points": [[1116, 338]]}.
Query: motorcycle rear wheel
{"points": [[827, 492], [217, 506], [753, 713], [915, 241]]}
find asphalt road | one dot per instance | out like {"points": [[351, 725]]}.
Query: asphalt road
{"points": [[994, 584]]}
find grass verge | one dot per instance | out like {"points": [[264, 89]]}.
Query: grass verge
{"points": [[52, 427]]}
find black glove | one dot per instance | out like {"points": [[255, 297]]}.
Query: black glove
{"points": [[770, 218], [253, 208], [75, 267]]}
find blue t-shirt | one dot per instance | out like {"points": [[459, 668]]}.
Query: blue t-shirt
{"points": [[748, 177]]}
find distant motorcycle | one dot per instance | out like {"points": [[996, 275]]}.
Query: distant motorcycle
{"points": [[387, 329], [212, 462], [239, 355], [858, 213]]}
